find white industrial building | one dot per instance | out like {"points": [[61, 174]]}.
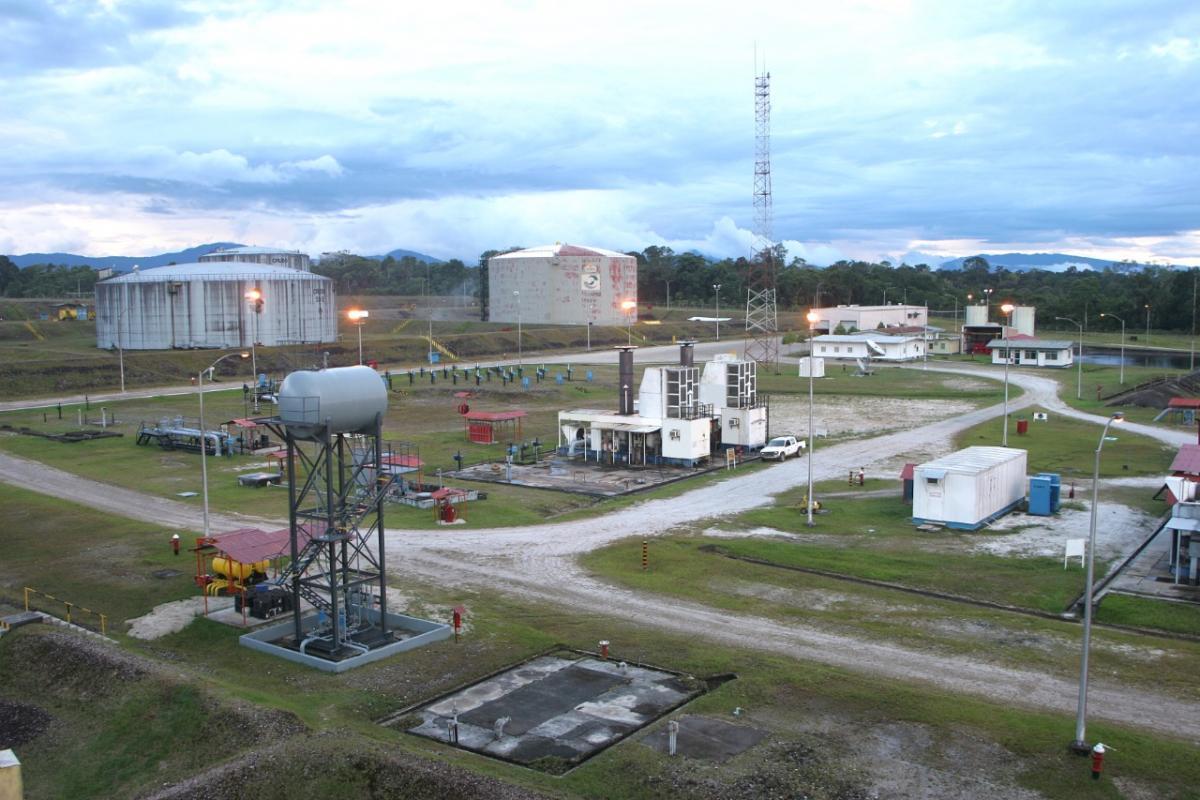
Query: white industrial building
{"points": [[1028, 351], [968, 489], [679, 416], [563, 284], [870, 344], [204, 305], [853, 318]]}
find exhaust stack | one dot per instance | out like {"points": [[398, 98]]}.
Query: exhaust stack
{"points": [[625, 380], [687, 355]]}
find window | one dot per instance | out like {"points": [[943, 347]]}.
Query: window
{"points": [[824, 348], [1052, 355], [1031, 355], [837, 349], [931, 481]]}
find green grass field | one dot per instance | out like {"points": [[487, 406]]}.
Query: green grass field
{"points": [[1068, 446]]}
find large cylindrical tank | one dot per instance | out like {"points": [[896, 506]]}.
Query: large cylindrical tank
{"points": [[1023, 319], [347, 397], [976, 315]]}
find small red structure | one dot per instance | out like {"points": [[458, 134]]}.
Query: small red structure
{"points": [[482, 425], [449, 504]]}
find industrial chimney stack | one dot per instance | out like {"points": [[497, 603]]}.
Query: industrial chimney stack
{"points": [[687, 356], [625, 380]]}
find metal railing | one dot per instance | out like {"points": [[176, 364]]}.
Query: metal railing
{"points": [[71, 608]]}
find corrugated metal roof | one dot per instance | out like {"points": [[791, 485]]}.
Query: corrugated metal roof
{"points": [[865, 336], [1184, 402], [1187, 460], [215, 270], [1033, 344], [973, 459], [561, 250]]}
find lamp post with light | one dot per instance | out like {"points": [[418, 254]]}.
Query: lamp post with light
{"points": [[717, 302], [1118, 319], [1007, 308], [1079, 360], [1147, 323], [628, 306], [520, 354], [203, 441], [812, 318], [358, 316], [255, 297], [1079, 745]]}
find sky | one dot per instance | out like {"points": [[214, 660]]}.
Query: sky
{"points": [[911, 131]]}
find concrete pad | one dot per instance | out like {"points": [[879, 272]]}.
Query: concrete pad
{"points": [[706, 739], [561, 708]]}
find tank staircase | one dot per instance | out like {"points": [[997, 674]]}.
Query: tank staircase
{"points": [[363, 501]]}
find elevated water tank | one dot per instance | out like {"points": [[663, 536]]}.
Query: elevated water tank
{"points": [[348, 398]]}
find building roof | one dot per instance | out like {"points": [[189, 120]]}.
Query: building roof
{"points": [[906, 474], [891, 307], [251, 545], [864, 336], [493, 416], [1030, 343], [1184, 402], [215, 270], [972, 460], [1187, 460], [549, 250]]}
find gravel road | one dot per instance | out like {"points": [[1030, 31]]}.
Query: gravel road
{"points": [[540, 564]]}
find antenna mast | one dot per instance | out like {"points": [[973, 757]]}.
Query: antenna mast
{"points": [[762, 326]]}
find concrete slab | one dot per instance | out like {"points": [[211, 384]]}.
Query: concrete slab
{"points": [[581, 477], [561, 709], [706, 738]]}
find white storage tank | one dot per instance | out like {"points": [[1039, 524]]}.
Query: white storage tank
{"points": [[976, 315], [563, 284], [1023, 320], [205, 305], [968, 489], [349, 398]]}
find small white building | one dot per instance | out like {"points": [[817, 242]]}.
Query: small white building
{"points": [[968, 489], [870, 344], [868, 318], [1028, 351]]}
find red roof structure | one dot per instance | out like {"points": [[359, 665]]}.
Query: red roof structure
{"points": [[394, 460], [906, 474], [242, 423], [1184, 402], [1187, 460], [251, 545], [481, 425]]}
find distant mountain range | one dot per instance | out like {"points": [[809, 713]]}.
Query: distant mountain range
{"points": [[126, 263], [120, 263], [1050, 262], [400, 253]]}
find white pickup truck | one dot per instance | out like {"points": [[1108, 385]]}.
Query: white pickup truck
{"points": [[781, 447]]}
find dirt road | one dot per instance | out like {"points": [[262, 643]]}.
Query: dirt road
{"points": [[540, 564]]}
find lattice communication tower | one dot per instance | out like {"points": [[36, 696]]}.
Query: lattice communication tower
{"points": [[762, 325]]}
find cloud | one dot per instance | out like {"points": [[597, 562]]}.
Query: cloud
{"points": [[898, 127]]}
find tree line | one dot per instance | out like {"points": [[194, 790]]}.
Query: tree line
{"points": [[687, 279]]}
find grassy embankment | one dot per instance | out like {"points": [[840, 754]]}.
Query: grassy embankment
{"points": [[155, 732]]}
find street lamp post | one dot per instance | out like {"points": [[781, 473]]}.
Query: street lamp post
{"points": [[1118, 319], [628, 307], [668, 283], [520, 354], [1079, 745], [1007, 308], [717, 301], [256, 299], [1147, 323], [203, 442], [1079, 358], [812, 318], [358, 316]]}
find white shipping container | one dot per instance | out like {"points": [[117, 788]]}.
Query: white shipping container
{"points": [[969, 488]]}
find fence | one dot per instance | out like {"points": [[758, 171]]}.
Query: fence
{"points": [[71, 609]]}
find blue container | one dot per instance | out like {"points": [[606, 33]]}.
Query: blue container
{"points": [[1040, 499]]}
